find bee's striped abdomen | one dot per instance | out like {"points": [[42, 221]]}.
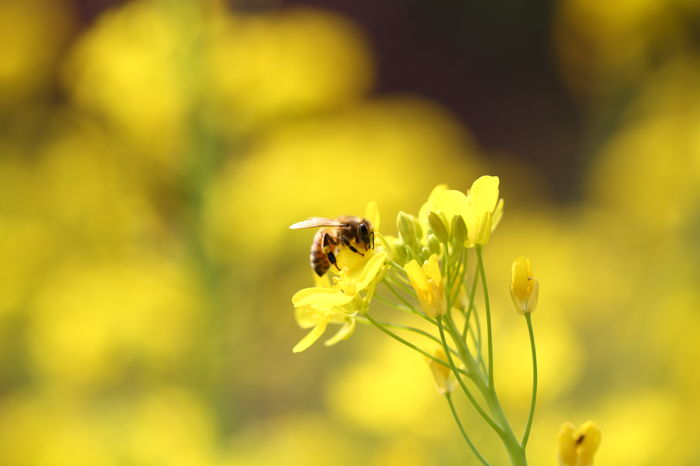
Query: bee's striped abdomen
{"points": [[319, 260]]}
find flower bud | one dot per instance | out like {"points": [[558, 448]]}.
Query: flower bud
{"points": [[459, 229], [433, 244], [524, 289], [578, 446], [437, 225], [407, 228], [444, 379], [429, 286], [424, 253], [401, 251]]}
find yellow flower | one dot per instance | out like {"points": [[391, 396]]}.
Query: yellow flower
{"points": [[444, 380], [524, 289], [484, 209], [351, 291], [480, 208], [317, 307], [427, 281], [577, 447]]}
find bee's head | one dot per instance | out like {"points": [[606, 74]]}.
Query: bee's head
{"points": [[366, 234]]}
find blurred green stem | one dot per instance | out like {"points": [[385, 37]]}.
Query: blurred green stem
{"points": [[526, 435], [487, 306], [365, 320], [464, 387], [411, 345], [448, 397]]}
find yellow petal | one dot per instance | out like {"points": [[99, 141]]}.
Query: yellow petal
{"points": [[416, 276], [588, 440], [567, 445], [429, 205], [371, 269], [483, 195], [320, 297], [372, 214], [343, 333], [497, 215], [310, 337], [308, 316], [450, 202], [444, 380], [432, 269]]}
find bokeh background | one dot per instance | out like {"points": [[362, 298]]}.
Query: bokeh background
{"points": [[152, 154]]}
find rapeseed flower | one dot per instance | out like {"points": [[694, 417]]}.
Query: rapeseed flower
{"points": [[480, 208], [444, 379], [341, 299], [429, 286], [524, 289], [577, 446]]}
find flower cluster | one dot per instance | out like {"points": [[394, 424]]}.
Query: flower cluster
{"points": [[434, 270]]}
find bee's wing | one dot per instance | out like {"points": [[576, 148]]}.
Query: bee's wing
{"points": [[316, 222]]}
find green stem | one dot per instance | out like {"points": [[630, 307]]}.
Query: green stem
{"points": [[397, 306], [526, 435], [411, 345], [448, 397], [407, 288], [515, 451], [472, 296], [465, 389], [365, 320], [409, 307], [460, 274], [461, 344], [487, 306]]}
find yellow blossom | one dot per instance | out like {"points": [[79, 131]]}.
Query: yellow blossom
{"points": [[427, 281], [524, 289], [317, 307], [480, 208], [444, 380], [577, 446], [484, 209], [340, 301]]}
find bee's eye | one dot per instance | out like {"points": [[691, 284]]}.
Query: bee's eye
{"points": [[363, 229]]}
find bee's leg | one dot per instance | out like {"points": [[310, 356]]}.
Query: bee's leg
{"points": [[331, 258], [352, 248]]}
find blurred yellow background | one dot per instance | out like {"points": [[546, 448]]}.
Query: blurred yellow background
{"points": [[153, 153]]}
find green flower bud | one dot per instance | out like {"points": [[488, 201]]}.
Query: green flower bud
{"points": [[407, 228], [419, 228], [433, 244], [459, 229], [437, 225], [401, 251], [425, 253]]}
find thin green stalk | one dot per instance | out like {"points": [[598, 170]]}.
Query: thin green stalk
{"points": [[397, 294], [448, 397], [515, 451], [411, 345], [472, 296], [465, 389], [398, 306], [460, 275], [487, 306], [365, 320], [461, 344], [405, 286], [526, 435], [477, 324], [395, 264]]}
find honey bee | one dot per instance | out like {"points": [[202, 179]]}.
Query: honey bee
{"points": [[352, 232]]}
